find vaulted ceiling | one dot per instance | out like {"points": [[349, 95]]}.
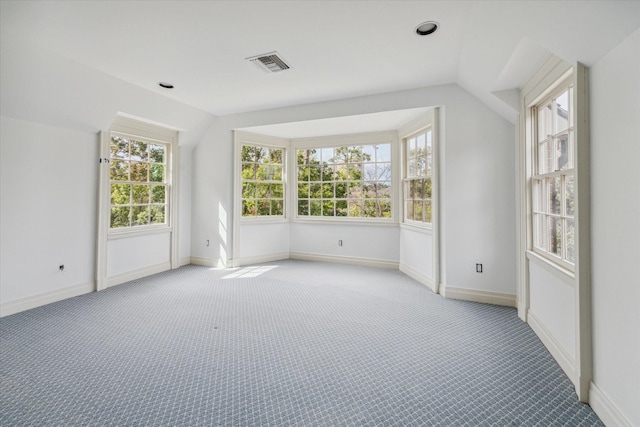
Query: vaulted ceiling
{"points": [[337, 49]]}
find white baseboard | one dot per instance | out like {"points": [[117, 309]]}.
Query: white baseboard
{"points": [[137, 274], [418, 277], [338, 259], [475, 295], [239, 262], [564, 359], [604, 408], [22, 304], [184, 261], [206, 262]]}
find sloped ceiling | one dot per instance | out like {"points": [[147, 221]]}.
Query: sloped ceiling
{"points": [[337, 49]]}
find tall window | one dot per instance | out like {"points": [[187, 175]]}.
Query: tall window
{"points": [[418, 172], [262, 181], [345, 181], [138, 181], [554, 178]]}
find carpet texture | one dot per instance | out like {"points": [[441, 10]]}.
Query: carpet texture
{"points": [[286, 343]]}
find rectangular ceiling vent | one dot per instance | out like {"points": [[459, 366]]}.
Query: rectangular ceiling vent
{"points": [[269, 62]]}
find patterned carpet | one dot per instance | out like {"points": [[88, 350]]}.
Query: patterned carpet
{"points": [[288, 343]]}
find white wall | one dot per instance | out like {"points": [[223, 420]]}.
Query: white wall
{"points": [[478, 185], [48, 205], [615, 225], [416, 250], [184, 201], [368, 244], [52, 110], [140, 253]]}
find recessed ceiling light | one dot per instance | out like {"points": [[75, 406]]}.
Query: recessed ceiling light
{"points": [[427, 28], [165, 85]]}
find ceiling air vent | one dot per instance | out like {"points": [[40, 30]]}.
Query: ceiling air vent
{"points": [[269, 62]]}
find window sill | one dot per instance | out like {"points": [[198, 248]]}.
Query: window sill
{"points": [[560, 272], [344, 221], [128, 233], [263, 220], [417, 228]]}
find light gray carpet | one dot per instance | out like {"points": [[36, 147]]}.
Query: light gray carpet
{"points": [[287, 343]]}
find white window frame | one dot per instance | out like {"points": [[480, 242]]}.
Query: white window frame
{"points": [[242, 138], [540, 209], [552, 73], [373, 138], [418, 126], [137, 128], [165, 182]]}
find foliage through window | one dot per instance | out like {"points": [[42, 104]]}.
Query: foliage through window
{"points": [[418, 177], [138, 182], [554, 178], [347, 181], [262, 181]]}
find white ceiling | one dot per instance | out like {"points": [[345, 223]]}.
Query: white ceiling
{"points": [[338, 49]]}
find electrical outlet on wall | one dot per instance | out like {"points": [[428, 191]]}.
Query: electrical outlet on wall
{"points": [[478, 268], [339, 242]]}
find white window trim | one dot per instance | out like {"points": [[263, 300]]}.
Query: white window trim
{"points": [[553, 71], [430, 120], [370, 138], [147, 131]]}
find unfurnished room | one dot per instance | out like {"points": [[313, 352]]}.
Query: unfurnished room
{"points": [[320, 213]]}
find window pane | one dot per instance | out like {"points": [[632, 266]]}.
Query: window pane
{"points": [[157, 173], [427, 188], [303, 207], [421, 144], [315, 191], [417, 210], [571, 241], [277, 207], [544, 123], [157, 214], [277, 191], [248, 153], [328, 208], [156, 153], [341, 190], [120, 216], [369, 153], [141, 194], [120, 194], [554, 193], [539, 231], [383, 153], [158, 194], [326, 155], [409, 213], [248, 171], [562, 152], [546, 158], [411, 152], [262, 190], [249, 208], [140, 172], [327, 173], [412, 168], [562, 112], [327, 190], [264, 207], [276, 156], [248, 190], [570, 195], [341, 208], [140, 215], [119, 147], [139, 150], [355, 190], [315, 208], [427, 211], [383, 171], [303, 191], [355, 208], [119, 170], [555, 236], [315, 173]]}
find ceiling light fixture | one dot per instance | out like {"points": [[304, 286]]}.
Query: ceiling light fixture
{"points": [[426, 28], [165, 85]]}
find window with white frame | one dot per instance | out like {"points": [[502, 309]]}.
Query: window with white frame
{"points": [[418, 177], [263, 181], [348, 181], [138, 181], [553, 180]]}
